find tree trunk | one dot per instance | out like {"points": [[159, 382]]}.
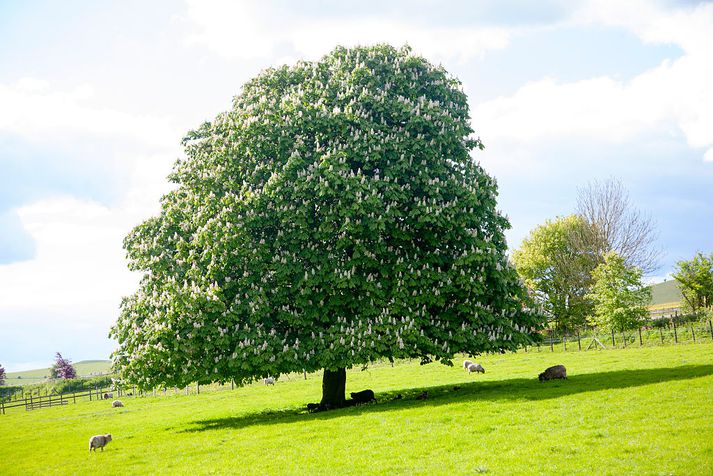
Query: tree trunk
{"points": [[333, 387]]}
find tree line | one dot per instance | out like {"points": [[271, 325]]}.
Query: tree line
{"points": [[586, 269]]}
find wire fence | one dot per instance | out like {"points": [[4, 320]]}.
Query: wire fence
{"points": [[662, 333]]}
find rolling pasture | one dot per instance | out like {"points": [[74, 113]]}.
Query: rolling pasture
{"points": [[85, 368], [626, 411]]}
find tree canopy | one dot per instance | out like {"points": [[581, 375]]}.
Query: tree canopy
{"points": [[332, 217], [619, 296], [622, 227], [696, 282], [556, 261], [62, 368]]}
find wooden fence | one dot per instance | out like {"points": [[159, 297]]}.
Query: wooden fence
{"points": [[37, 401], [33, 402]]}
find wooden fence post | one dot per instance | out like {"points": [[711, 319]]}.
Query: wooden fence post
{"points": [[710, 326], [579, 341], [623, 338], [641, 341], [693, 333], [613, 344], [198, 388], [661, 333], [675, 332], [564, 341]]}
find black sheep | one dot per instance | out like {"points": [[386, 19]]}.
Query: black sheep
{"points": [[557, 371], [365, 396]]}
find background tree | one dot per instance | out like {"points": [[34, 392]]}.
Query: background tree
{"points": [[620, 298], [696, 283], [623, 228], [62, 368], [2, 375], [331, 218], [556, 261]]}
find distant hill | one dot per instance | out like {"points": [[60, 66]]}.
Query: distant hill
{"points": [[666, 299], [85, 368]]}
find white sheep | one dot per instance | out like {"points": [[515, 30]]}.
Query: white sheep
{"points": [[269, 381], [117, 403], [476, 368], [466, 364], [99, 441]]}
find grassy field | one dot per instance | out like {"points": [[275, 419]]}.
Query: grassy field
{"points": [[85, 368], [631, 411]]}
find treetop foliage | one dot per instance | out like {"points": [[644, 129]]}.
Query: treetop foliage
{"points": [[696, 282], [622, 227], [620, 298], [556, 261], [332, 217], [62, 368]]}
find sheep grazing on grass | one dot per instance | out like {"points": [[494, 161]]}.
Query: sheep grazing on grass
{"points": [[557, 371], [117, 403], [99, 441], [466, 364], [268, 381], [107, 396], [365, 396], [476, 368]]}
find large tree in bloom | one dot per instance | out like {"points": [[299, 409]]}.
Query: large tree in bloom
{"points": [[333, 217]]}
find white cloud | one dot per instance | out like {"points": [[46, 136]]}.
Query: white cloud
{"points": [[598, 108], [460, 44], [31, 109], [674, 96], [79, 270], [252, 30]]}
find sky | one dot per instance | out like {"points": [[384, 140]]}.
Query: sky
{"points": [[95, 97]]}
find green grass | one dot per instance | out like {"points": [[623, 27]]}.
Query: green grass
{"points": [[631, 411], [85, 368]]}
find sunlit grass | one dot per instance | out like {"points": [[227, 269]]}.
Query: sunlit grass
{"points": [[632, 411]]}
